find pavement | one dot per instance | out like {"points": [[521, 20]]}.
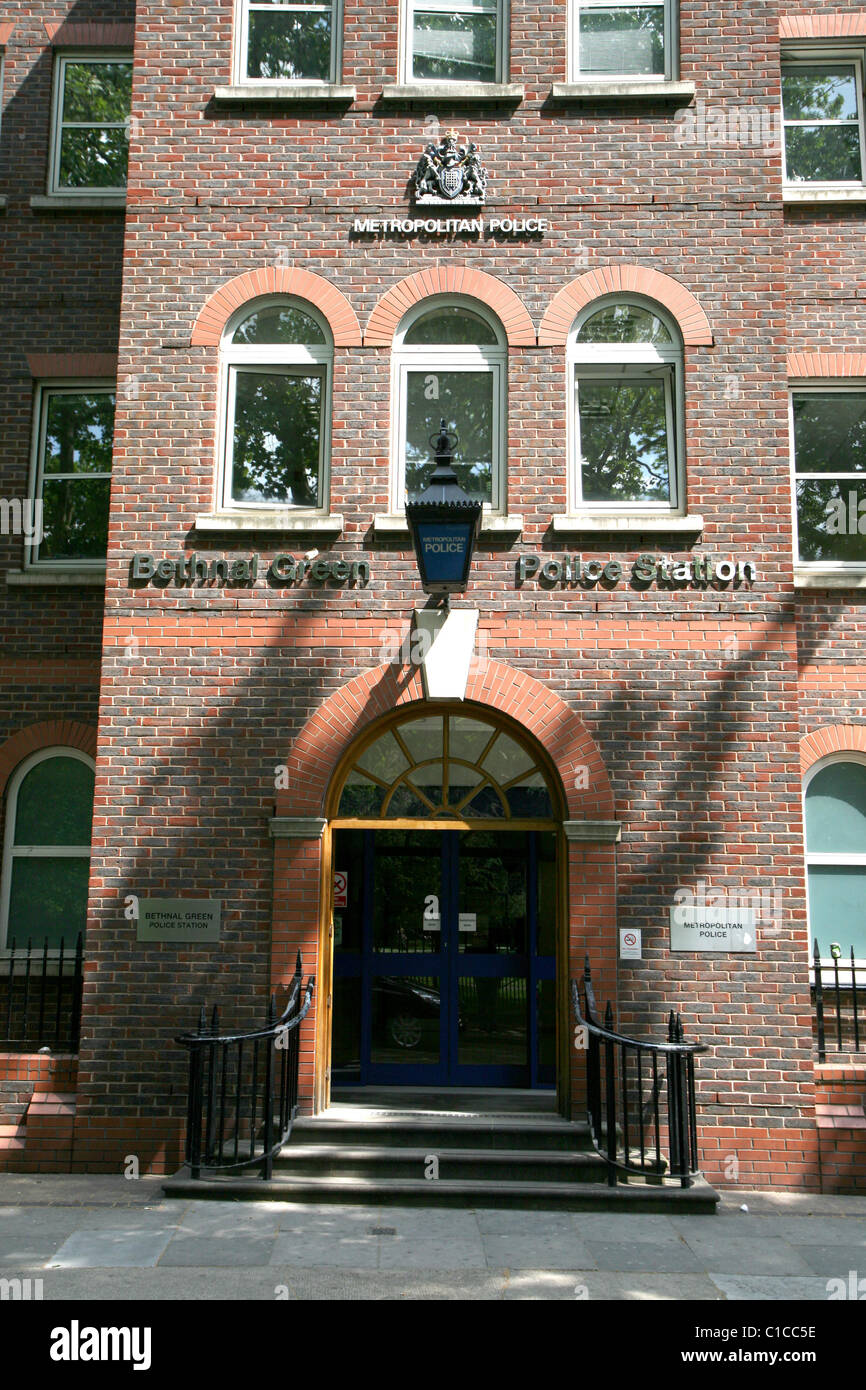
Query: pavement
{"points": [[105, 1237]]}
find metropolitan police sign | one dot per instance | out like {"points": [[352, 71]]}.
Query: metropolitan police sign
{"points": [[178, 919]]}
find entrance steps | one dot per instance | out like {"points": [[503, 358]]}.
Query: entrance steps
{"points": [[487, 1149]]}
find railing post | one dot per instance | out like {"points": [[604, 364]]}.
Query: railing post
{"points": [[610, 1102], [674, 1097], [854, 1003], [194, 1115], [268, 1141], [210, 1118], [819, 1002]]}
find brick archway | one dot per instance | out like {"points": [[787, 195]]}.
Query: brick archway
{"points": [[586, 915], [538, 710], [450, 279], [625, 279], [833, 738], [293, 280], [60, 733]]}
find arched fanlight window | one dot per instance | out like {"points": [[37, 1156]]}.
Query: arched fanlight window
{"points": [[835, 803], [446, 767], [626, 365], [277, 363], [450, 359], [46, 855]]}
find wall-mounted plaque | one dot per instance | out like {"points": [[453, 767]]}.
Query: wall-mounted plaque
{"points": [[178, 919]]}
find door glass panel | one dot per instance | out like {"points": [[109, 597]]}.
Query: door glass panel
{"points": [[462, 780], [429, 780], [487, 805], [493, 1021], [423, 738], [546, 871], [407, 878], [546, 1002], [492, 899], [468, 739], [361, 797], [346, 1044], [405, 1019]]}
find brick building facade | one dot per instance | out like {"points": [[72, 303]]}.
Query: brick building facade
{"points": [[675, 711]]}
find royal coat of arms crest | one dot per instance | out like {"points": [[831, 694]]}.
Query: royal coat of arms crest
{"points": [[450, 173]]}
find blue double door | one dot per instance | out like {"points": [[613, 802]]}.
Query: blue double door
{"points": [[444, 958]]}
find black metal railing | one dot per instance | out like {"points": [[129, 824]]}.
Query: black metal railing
{"points": [[640, 1097], [243, 1087], [838, 988], [40, 995]]}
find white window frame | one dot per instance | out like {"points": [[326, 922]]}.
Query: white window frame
{"points": [[12, 851], [70, 386], [295, 359], [407, 31], [821, 387], [62, 61], [242, 37], [576, 74], [846, 56], [453, 358], [815, 858], [594, 361]]}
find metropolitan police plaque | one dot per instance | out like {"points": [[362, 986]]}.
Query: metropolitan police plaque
{"points": [[178, 919]]}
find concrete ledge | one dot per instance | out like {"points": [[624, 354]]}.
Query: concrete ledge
{"points": [[395, 526], [606, 522], [593, 831], [814, 577], [453, 91], [79, 202], [624, 89], [270, 520], [27, 578], [323, 92], [296, 827], [824, 195]]}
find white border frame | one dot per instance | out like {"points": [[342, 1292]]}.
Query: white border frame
{"points": [[593, 359], [838, 55], [407, 29], [454, 358], [45, 388], [50, 851], [817, 857], [241, 43], [61, 61], [575, 73], [819, 386], [293, 358]]}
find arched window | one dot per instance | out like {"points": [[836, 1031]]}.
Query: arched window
{"points": [[446, 767], [625, 366], [836, 854], [450, 360], [46, 854], [277, 360]]}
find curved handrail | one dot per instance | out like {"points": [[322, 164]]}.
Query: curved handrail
{"points": [[625, 1125], [243, 1087]]}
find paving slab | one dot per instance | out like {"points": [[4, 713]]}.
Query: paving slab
{"points": [[87, 1189], [771, 1288], [420, 1253], [110, 1249], [28, 1248], [537, 1252], [819, 1230], [239, 1249], [317, 1252], [622, 1227], [663, 1258], [602, 1285], [720, 1255], [836, 1261], [505, 1220]]}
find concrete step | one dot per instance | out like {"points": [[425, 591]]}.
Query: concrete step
{"points": [[539, 1196], [378, 1162], [436, 1133]]}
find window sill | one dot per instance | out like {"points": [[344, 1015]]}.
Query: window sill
{"points": [[606, 523], [329, 93], [814, 577], [272, 519], [824, 195], [453, 91], [68, 578], [56, 202], [396, 527], [623, 89]]}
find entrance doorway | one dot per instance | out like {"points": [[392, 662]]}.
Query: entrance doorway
{"points": [[445, 918]]}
